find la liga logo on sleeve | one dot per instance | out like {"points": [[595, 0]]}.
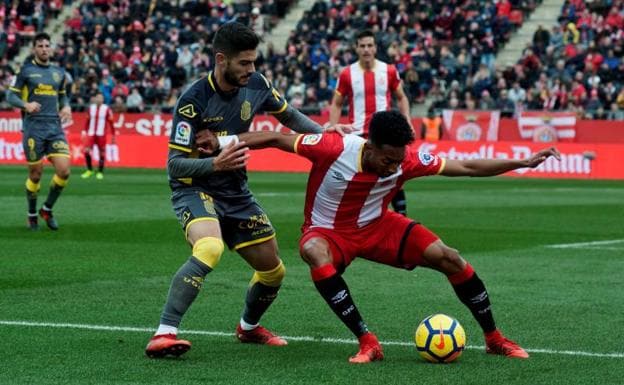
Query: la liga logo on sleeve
{"points": [[183, 133], [312, 139]]}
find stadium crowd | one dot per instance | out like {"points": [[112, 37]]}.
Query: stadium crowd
{"points": [[141, 53]]}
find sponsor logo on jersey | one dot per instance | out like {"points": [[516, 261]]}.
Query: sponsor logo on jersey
{"points": [[187, 111], [338, 176], [183, 133], [312, 139], [425, 158], [34, 75], [245, 111], [211, 119]]}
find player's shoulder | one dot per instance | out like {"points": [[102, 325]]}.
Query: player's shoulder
{"points": [[257, 81], [194, 98]]}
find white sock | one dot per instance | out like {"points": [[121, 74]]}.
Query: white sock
{"points": [[245, 326], [166, 329]]}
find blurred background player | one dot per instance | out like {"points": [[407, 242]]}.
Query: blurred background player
{"points": [[94, 134], [347, 217], [38, 90], [369, 84]]}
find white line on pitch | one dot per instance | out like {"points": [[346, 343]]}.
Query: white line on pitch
{"points": [[291, 338], [584, 244]]}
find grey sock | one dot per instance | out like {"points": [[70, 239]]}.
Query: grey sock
{"points": [[259, 298], [185, 285]]}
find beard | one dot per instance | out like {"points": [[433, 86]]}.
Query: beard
{"points": [[231, 78]]}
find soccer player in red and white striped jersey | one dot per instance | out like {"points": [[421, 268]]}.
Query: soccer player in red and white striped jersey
{"points": [[100, 118], [369, 84], [349, 188]]}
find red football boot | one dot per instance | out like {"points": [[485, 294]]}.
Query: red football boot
{"points": [[166, 344], [259, 335], [370, 350], [496, 343]]}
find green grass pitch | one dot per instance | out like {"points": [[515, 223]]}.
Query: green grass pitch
{"points": [[77, 306]]}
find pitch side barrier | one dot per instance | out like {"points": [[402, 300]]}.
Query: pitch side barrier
{"points": [[142, 142]]}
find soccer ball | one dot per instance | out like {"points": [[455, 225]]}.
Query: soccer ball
{"points": [[440, 338]]}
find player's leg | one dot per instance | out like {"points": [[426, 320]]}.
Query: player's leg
{"points": [[101, 143], [263, 288], [322, 255], [61, 164], [33, 151], [88, 160], [33, 185], [195, 213], [399, 202], [472, 293]]}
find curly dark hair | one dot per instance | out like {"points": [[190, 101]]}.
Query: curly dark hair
{"points": [[391, 128], [232, 38]]}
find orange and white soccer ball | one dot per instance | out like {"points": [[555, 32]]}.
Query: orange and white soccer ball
{"points": [[440, 338]]}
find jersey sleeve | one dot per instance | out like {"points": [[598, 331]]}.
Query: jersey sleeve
{"points": [[186, 123], [274, 102], [319, 147], [421, 164], [394, 80], [343, 87], [18, 83]]}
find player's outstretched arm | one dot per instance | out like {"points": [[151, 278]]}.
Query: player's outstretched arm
{"points": [[208, 143], [297, 121], [490, 167]]}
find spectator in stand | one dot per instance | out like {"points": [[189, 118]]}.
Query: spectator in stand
{"points": [[541, 39], [517, 94], [134, 103], [505, 105], [432, 127], [119, 105]]}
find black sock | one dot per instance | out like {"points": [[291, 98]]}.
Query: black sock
{"points": [[54, 193], [399, 203], [88, 161], [335, 292], [31, 197], [471, 291], [101, 164], [259, 298], [185, 285]]}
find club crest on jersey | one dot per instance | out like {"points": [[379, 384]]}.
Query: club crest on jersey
{"points": [[425, 158], [245, 110], [311, 140], [56, 77], [188, 111], [183, 133]]}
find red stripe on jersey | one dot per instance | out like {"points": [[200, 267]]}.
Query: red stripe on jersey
{"points": [[370, 104], [358, 190]]}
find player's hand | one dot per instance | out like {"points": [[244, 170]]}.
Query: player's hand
{"points": [[32, 107], [206, 142], [540, 156], [65, 114], [232, 157], [342, 129]]}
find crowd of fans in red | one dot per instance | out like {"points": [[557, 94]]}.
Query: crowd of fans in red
{"points": [[140, 54]]}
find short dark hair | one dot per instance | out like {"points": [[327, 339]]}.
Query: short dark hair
{"points": [[40, 36], [391, 128], [364, 33], [232, 38]]}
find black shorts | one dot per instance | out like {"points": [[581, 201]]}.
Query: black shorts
{"points": [[243, 222], [43, 137]]}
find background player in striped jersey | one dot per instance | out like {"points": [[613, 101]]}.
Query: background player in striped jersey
{"points": [[100, 119], [38, 90], [369, 84], [346, 216]]}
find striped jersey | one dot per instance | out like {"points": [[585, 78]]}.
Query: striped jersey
{"points": [[99, 117], [340, 195], [368, 91]]}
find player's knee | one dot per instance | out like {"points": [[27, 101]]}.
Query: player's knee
{"points": [[443, 258], [273, 277], [315, 252], [60, 180], [208, 250]]}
